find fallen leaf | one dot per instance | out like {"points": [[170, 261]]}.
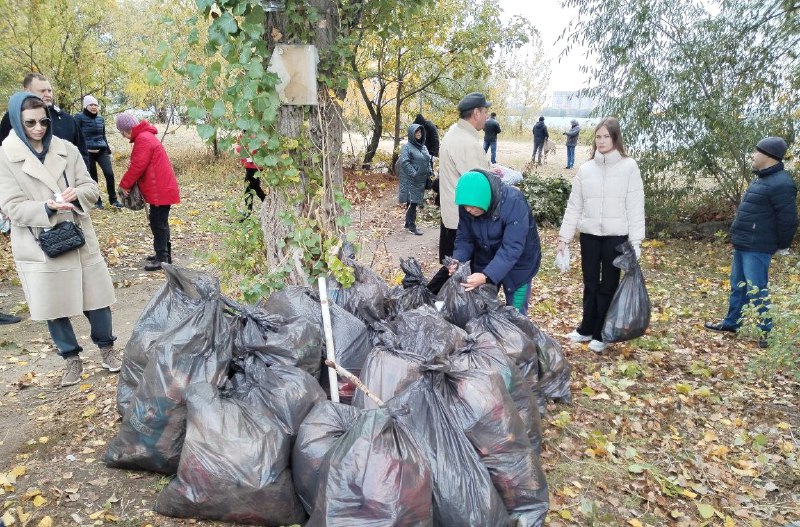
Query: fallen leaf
{"points": [[47, 521], [706, 511]]}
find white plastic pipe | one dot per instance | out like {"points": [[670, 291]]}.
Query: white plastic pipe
{"points": [[330, 353]]}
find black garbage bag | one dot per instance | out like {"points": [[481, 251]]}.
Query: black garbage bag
{"points": [[374, 475], [387, 371], [513, 341], [184, 293], [425, 332], [484, 410], [463, 493], [366, 298], [481, 352], [350, 335], [198, 349], [321, 429], [460, 305], [286, 391], [414, 291], [291, 341], [234, 466], [555, 371], [628, 315]]}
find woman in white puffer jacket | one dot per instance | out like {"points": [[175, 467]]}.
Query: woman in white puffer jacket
{"points": [[607, 206]]}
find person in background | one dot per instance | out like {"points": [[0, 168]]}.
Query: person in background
{"points": [[540, 135], [251, 180], [151, 169], [490, 130], [765, 223], [6, 229], [93, 128], [415, 167], [43, 182], [572, 141], [497, 233], [63, 124], [461, 151], [606, 205], [430, 135]]}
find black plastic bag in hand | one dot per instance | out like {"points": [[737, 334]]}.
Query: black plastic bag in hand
{"points": [[464, 495], [414, 291], [184, 293], [460, 305], [628, 315], [320, 431], [374, 475], [198, 349], [235, 462]]}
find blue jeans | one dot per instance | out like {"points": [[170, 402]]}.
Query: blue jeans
{"points": [[570, 156], [493, 144], [519, 298], [749, 270], [64, 336]]}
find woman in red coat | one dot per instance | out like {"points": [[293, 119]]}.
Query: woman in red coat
{"points": [[151, 169]]}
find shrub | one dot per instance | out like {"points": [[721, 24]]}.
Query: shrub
{"points": [[547, 198]]}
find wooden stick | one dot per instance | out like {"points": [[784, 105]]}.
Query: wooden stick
{"points": [[330, 353], [355, 380]]}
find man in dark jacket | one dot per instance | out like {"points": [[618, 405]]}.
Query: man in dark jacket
{"points": [[540, 135], [497, 233], [572, 141], [430, 136], [490, 131], [63, 125], [765, 224]]}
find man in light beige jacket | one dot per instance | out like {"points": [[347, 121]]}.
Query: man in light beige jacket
{"points": [[461, 151]]}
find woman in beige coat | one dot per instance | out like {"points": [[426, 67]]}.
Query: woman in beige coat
{"points": [[607, 206], [44, 181]]}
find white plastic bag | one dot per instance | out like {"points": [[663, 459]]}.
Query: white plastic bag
{"points": [[509, 176], [562, 260]]}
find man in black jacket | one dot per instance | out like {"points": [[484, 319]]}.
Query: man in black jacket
{"points": [[540, 135], [64, 126], [490, 131], [765, 224]]}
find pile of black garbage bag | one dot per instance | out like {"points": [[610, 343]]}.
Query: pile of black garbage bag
{"points": [[232, 400]]}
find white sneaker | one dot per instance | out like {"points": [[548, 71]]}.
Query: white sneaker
{"points": [[597, 346], [577, 337]]}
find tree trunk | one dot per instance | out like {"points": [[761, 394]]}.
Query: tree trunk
{"points": [[396, 145], [324, 132], [374, 142]]}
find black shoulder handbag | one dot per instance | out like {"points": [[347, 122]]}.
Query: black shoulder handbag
{"points": [[62, 238]]}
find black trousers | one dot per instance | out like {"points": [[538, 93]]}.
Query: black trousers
{"points": [[600, 280], [159, 225], [252, 184], [103, 158], [411, 216], [447, 244]]}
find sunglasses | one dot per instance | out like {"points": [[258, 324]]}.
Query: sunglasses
{"points": [[44, 122]]}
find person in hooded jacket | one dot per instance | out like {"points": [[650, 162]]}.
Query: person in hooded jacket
{"points": [[497, 234], [93, 128], [606, 205], [540, 135], [430, 135], [43, 182], [151, 169], [572, 141], [415, 167]]}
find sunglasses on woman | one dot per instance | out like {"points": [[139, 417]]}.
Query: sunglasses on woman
{"points": [[44, 122]]}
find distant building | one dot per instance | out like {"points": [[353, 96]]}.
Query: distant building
{"points": [[572, 101]]}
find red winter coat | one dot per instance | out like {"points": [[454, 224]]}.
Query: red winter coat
{"points": [[150, 167]]}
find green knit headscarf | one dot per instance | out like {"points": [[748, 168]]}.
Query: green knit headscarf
{"points": [[473, 190]]}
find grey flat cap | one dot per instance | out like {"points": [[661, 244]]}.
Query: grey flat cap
{"points": [[473, 100]]}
